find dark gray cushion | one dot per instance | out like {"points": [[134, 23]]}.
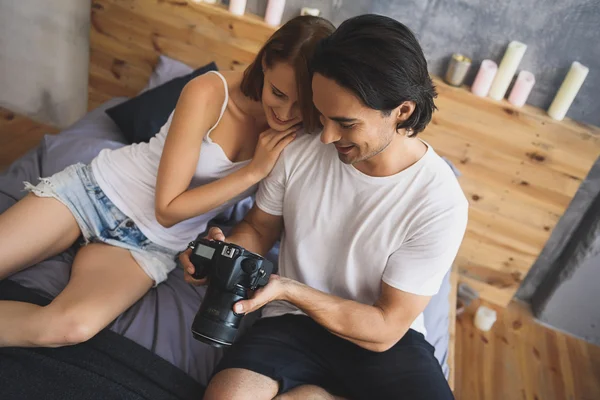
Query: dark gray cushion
{"points": [[141, 117]]}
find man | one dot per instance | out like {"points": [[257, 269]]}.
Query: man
{"points": [[370, 220]]}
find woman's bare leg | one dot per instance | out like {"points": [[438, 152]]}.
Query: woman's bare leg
{"points": [[32, 230], [105, 281]]}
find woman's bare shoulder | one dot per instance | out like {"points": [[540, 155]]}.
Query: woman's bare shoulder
{"points": [[205, 92]]}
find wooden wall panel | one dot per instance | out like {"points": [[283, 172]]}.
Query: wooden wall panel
{"points": [[127, 37]]}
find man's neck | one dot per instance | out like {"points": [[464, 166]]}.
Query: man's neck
{"points": [[401, 153]]}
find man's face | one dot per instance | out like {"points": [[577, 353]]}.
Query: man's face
{"points": [[358, 132]]}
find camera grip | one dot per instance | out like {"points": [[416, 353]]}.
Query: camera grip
{"points": [[199, 272]]}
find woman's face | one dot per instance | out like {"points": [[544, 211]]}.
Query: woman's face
{"points": [[280, 97]]}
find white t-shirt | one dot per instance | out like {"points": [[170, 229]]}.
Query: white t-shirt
{"points": [[345, 232]]}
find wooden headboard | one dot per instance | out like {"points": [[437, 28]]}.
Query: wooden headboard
{"points": [[127, 37]]}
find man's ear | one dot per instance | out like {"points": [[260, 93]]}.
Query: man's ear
{"points": [[403, 113]]}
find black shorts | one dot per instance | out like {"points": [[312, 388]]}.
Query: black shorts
{"points": [[294, 350]]}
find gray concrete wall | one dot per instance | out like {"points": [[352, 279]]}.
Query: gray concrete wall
{"points": [[557, 33], [562, 285], [564, 242], [44, 56], [574, 306]]}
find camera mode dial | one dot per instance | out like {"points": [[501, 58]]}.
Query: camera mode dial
{"points": [[249, 265]]}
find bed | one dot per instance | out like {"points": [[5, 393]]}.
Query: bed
{"points": [[156, 328]]}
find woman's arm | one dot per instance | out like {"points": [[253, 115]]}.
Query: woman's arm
{"points": [[197, 110]]}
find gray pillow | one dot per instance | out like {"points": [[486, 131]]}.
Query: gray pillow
{"points": [[165, 70], [142, 116]]}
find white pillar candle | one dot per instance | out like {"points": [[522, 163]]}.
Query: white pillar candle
{"points": [[210, 1], [237, 7], [485, 318], [310, 11], [522, 88], [506, 70], [568, 90], [274, 12], [485, 77]]}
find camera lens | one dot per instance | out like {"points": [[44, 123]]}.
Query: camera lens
{"points": [[216, 323], [249, 265]]}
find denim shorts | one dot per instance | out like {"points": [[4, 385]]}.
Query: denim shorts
{"points": [[101, 221]]}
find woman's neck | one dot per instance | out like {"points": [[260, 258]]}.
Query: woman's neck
{"points": [[250, 109]]}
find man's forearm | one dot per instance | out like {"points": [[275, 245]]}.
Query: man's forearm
{"points": [[363, 325]]}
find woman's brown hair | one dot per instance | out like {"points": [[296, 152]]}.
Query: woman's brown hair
{"points": [[293, 43]]}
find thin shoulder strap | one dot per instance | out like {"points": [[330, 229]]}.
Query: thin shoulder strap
{"points": [[223, 107]]}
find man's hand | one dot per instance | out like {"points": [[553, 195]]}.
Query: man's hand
{"points": [[213, 234], [274, 290]]}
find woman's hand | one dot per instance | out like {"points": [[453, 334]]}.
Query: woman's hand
{"points": [[270, 145], [189, 269]]}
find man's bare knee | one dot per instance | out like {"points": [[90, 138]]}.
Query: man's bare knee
{"points": [[238, 383], [307, 392]]}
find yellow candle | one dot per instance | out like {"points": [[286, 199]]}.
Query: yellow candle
{"points": [[568, 90], [507, 69]]}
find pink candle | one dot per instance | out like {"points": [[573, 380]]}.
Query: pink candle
{"points": [[485, 77], [274, 12], [237, 7], [522, 88]]}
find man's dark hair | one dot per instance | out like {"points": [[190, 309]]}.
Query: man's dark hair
{"points": [[380, 60]]}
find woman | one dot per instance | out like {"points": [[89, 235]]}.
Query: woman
{"points": [[137, 206]]}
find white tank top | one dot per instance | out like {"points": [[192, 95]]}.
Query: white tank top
{"points": [[128, 178]]}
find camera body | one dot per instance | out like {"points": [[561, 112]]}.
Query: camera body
{"points": [[232, 271]]}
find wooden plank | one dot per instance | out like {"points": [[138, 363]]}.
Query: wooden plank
{"points": [[502, 121], [180, 24], [134, 55], [18, 135], [249, 26], [126, 40], [131, 75], [190, 55], [100, 78], [497, 279], [487, 292], [502, 230], [528, 192], [520, 359], [523, 170], [480, 250], [490, 198]]}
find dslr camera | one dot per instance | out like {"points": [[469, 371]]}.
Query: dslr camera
{"points": [[231, 271]]}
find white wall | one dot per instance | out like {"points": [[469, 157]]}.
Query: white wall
{"points": [[44, 55]]}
